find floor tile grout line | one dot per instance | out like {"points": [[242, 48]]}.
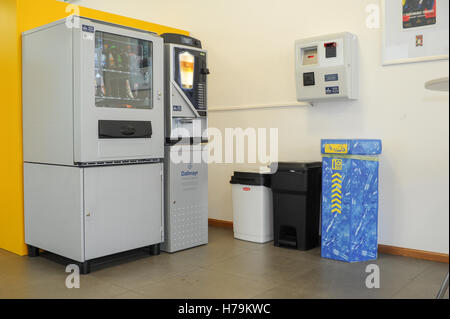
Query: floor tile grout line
{"points": [[414, 279], [161, 279], [127, 290], [279, 282], [400, 289], [421, 272]]}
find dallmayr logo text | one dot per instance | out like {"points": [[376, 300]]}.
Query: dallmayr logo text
{"points": [[189, 173]]}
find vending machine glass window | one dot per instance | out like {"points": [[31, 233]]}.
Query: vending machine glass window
{"points": [[123, 72]]}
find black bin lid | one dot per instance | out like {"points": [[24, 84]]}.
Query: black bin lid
{"points": [[295, 166], [251, 178]]}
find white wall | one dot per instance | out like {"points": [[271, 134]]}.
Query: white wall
{"points": [[250, 44]]}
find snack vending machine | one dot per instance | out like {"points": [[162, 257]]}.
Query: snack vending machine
{"points": [[186, 169], [93, 140]]}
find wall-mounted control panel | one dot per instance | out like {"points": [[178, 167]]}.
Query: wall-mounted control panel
{"points": [[326, 67]]}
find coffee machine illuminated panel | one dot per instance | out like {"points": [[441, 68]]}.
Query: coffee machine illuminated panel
{"points": [[186, 65], [190, 75], [186, 87]]}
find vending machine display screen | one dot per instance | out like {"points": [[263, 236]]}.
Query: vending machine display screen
{"points": [[187, 65], [309, 56], [190, 74], [123, 72]]}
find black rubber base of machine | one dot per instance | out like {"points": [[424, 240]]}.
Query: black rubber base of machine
{"points": [[85, 267], [33, 251], [96, 263], [155, 249]]}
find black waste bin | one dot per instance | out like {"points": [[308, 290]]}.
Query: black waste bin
{"points": [[296, 191]]}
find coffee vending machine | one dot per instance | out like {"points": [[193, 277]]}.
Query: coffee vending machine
{"points": [[186, 169], [93, 140]]}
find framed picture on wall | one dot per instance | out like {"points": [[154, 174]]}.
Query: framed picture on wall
{"points": [[414, 31]]}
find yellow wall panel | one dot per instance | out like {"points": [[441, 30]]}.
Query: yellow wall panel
{"points": [[34, 13], [11, 203], [17, 16]]}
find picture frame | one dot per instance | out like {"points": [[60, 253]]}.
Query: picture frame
{"points": [[414, 35]]}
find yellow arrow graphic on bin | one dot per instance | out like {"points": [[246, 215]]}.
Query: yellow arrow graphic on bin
{"points": [[336, 193]]}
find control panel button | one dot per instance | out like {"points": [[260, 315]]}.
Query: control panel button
{"points": [[330, 50], [309, 79]]}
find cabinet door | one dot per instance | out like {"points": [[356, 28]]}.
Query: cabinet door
{"points": [[123, 208], [187, 201]]}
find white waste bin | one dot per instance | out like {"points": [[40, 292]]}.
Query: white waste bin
{"points": [[252, 206]]}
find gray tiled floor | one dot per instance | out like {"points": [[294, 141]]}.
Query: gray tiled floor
{"points": [[225, 268]]}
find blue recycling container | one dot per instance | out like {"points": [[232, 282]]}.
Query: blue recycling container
{"points": [[350, 199]]}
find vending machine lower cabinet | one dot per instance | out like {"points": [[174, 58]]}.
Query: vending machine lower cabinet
{"points": [[87, 213], [186, 200]]}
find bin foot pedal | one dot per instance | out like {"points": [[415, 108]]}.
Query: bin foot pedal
{"points": [[287, 243]]}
